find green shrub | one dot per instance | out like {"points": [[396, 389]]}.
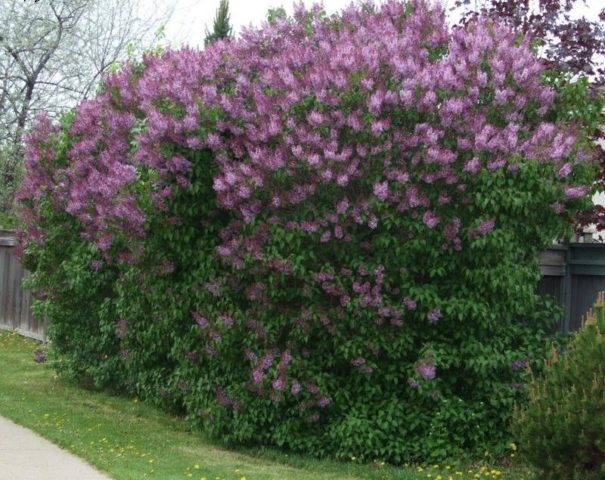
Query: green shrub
{"points": [[562, 429]]}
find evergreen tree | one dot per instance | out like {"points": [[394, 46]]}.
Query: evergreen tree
{"points": [[221, 27]]}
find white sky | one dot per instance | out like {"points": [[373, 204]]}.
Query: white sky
{"points": [[191, 17]]}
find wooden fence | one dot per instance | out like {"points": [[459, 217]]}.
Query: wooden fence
{"points": [[574, 274], [15, 303]]}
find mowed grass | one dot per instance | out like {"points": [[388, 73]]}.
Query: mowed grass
{"points": [[129, 440]]}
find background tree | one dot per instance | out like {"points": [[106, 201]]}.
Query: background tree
{"points": [[52, 55], [571, 44], [221, 27]]}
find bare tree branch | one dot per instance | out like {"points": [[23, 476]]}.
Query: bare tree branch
{"points": [[54, 53]]}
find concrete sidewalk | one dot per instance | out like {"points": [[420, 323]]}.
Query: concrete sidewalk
{"points": [[26, 456]]}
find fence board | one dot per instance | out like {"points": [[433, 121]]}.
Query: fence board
{"points": [[15, 303], [585, 289]]}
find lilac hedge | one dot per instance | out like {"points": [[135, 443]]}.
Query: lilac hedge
{"points": [[323, 235]]}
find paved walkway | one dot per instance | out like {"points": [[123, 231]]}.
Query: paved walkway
{"points": [[26, 456]]}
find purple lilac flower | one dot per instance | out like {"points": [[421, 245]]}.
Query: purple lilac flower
{"points": [[104, 242], [381, 190], [323, 401], [430, 219], [427, 369], [286, 358], [96, 265], [167, 266], [192, 356], [121, 328], [472, 166], [520, 364], [39, 356], [558, 207], [342, 206], [267, 361], [434, 315], [255, 290], [295, 389], [573, 193], [200, 320], [409, 303], [276, 397], [373, 222], [496, 164], [214, 288], [565, 170], [485, 227], [257, 376], [413, 383], [278, 384], [222, 397], [347, 272], [227, 320], [358, 361]]}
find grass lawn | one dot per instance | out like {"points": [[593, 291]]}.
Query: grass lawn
{"points": [[130, 440]]}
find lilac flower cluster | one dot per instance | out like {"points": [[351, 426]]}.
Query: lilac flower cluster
{"points": [[520, 364], [427, 369], [269, 73]]}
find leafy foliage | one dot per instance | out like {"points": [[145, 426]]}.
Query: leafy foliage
{"points": [[562, 429], [323, 235]]}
